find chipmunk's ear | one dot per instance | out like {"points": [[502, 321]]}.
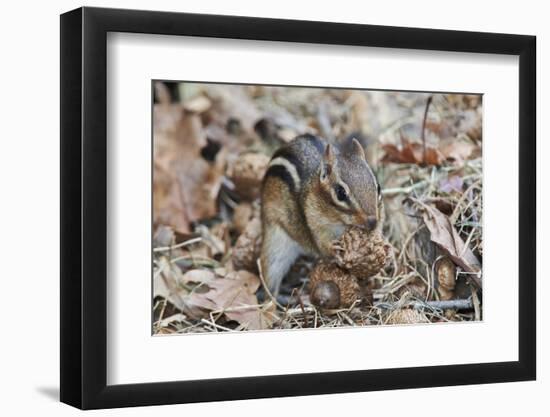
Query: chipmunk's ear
{"points": [[358, 149], [330, 155], [329, 159]]}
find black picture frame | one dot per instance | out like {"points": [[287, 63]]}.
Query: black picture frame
{"points": [[84, 207]]}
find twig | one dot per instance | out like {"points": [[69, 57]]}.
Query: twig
{"points": [[476, 303], [347, 318], [467, 243], [187, 261], [431, 305], [298, 310], [423, 133], [444, 305], [216, 325], [161, 315], [463, 197], [179, 245], [404, 190]]}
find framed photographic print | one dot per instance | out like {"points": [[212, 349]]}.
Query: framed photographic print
{"points": [[257, 208]]}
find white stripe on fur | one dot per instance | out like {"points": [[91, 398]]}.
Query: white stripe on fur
{"points": [[290, 168]]}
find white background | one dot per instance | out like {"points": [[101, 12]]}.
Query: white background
{"points": [[134, 356], [29, 177]]}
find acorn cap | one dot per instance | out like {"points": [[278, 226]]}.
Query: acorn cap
{"points": [[347, 285], [362, 254]]}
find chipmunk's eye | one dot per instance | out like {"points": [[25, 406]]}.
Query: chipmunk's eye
{"points": [[379, 190], [340, 193]]}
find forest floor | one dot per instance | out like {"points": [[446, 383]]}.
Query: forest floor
{"points": [[212, 144]]}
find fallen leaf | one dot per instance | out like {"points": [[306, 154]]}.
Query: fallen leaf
{"points": [[411, 153], [232, 294], [443, 234], [165, 283], [457, 150], [185, 185]]}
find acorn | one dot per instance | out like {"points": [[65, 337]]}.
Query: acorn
{"points": [[446, 277], [326, 273], [362, 254], [325, 295]]}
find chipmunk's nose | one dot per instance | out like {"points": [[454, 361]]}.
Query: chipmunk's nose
{"points": [[371, 223]]}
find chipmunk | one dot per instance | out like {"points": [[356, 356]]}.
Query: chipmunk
{"points": [[311, 192]]}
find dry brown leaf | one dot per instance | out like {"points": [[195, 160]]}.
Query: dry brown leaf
{"points": [[471, 123], [444, 235], [457, 150], [196, 304], [412, 153], [169, 283], [233, 295], [169, 207], [185, 185], [166, 283]]}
